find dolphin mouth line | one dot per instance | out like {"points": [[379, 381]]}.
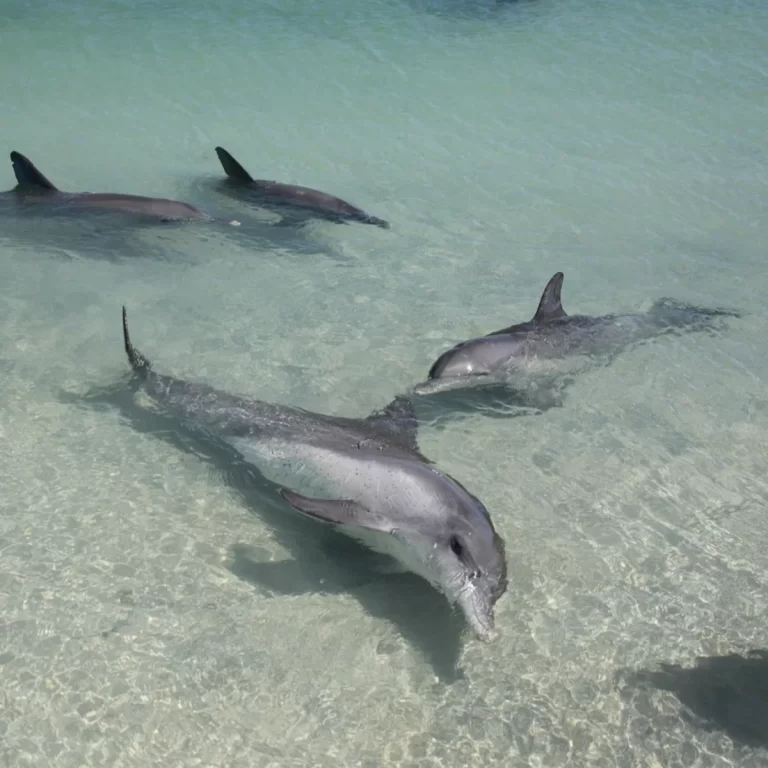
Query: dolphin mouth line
{"points": [[445, 383]]}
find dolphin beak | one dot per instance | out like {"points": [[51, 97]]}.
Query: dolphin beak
{"points": [[478, 611], [447, 383], [433, 386]]}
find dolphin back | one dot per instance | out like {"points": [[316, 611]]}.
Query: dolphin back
{"points": [[392, 428], [27, 175]]}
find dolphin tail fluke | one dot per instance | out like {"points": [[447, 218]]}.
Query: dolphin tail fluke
{"points": [[232, 168], [26, 173], [138, 362]]}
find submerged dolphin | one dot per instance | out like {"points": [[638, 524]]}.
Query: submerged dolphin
{"points": [[542, 344], [293, 203], [35, 188], [384, 493]]}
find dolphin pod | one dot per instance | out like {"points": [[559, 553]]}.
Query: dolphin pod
{"points": [[367, 477]]}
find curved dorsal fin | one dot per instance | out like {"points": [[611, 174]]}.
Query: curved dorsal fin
{"points": [[397, 421], [26, 173], [232, 168], [550, 306]]}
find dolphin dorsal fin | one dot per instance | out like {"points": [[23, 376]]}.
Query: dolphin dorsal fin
{"points": [[232, 168], [397, 421], [26, 173], [550, 305]]}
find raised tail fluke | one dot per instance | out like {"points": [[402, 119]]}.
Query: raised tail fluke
{"points": [[138, 362]]}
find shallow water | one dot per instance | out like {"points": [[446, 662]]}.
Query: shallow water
{"points": [[158, 609]]}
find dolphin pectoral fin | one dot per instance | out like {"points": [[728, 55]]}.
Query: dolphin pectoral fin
{"points": [[550, 305], [27, 174], [337, 512], [232, 168]]}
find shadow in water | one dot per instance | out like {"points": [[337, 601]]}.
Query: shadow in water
{"points": [[107, 236], [728, 693], [488, 10], [424, 619], [324, 561], [496, 401]]}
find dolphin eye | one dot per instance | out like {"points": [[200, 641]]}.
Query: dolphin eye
{"points": [[458, 549], [466, 558]]}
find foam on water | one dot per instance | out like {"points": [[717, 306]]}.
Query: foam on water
{"points": [[152, 614]]}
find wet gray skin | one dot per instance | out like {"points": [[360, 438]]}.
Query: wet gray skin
{"points": [[544, 343], [35, 189], [293, 203], [378, 488]]}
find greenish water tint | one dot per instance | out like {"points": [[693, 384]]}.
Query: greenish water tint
{"points": [[158, 608]]}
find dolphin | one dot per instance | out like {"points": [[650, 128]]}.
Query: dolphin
{"points": [[34, 188], [294, 204], [379, 489], [546, 344]]}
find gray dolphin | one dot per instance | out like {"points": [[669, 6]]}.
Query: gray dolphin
{"points": [[293, 203], [35, 188], [544, 344], [384, 492]]}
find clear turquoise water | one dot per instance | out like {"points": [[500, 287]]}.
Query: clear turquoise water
{"points": [[151, 615]]}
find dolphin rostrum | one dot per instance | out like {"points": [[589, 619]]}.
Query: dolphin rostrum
{"points": [[379, 488], [34, 187], [293, 203], [543, 344]]}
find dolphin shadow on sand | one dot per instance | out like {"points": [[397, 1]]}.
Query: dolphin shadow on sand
{"points": [[495, 401], [94, 225], [726, 693], [324, 560], [110, 238], [406, 601]]}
